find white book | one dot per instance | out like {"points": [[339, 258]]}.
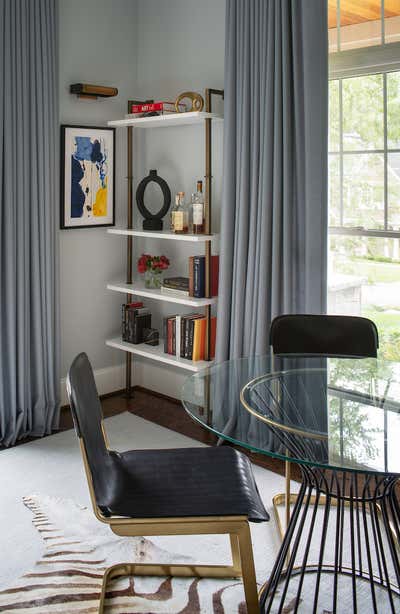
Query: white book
{"points": [[173, 292]]}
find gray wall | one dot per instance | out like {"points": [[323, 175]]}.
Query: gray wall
{"points": [[152, 49], [97, 45], [180, 45], [180, 48]]}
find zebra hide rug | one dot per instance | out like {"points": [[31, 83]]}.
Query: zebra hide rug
{"points": [[76, 551]]}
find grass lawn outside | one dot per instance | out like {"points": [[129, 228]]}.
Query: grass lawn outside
{"points": [[385, 316]]}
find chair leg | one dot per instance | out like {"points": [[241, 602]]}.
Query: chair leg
{"points": [[248, 570], [242, 566], [177, 570], [235, 549]]}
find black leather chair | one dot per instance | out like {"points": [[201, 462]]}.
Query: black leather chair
{"points": [[166, 492], [324, 335], [320, 335]]}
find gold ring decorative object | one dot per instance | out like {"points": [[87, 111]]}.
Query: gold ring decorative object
{"points": [[197, 101]]}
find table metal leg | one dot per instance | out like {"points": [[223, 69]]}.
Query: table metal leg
{"points": [[343, 556]]}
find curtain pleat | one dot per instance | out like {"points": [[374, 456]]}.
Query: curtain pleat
{"points": [[29, 350], [273, 253]]}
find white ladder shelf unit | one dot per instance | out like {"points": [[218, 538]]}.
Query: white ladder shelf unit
{"points": [[137, 288]]}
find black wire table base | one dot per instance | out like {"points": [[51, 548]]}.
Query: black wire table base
{"points": [[340, 553]]}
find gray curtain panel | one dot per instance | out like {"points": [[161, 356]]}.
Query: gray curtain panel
{"points": [[273, 254], [29, 364]]}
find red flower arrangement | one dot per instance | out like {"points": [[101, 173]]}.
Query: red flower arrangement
{"points": [[147, 262]]}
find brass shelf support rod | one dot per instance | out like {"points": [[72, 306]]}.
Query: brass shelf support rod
{"points": [[208, 209], [129, 251]]}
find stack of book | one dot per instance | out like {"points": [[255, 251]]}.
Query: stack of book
{"points": [[185, 336], [150, 108], [175, 286], [197, 276], [135, 318]]}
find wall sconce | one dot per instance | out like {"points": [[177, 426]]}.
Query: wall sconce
{"points": [[86, 90]]}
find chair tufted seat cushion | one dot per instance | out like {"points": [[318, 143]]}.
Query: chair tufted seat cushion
{"points": [[179, 483]]}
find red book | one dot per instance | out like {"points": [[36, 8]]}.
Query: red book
{"points": [[169, 335], [152, 107], [213, 337]]}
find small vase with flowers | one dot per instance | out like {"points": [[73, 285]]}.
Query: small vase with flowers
{"points": [[152, 267]]}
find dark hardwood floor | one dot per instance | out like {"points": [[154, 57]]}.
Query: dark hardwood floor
{"points": [[168, 413]]}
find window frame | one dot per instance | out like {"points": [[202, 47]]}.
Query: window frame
{"points": [[380, 59]]}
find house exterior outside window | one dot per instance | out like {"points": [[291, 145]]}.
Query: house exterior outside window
{"points": [[364, 164]]}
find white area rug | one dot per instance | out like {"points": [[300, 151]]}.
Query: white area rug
{"points": [[44, 482], [54, 551]]}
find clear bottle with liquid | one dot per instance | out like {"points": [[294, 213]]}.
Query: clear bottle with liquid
{"points": [[198, 221], [173, 211], [181, 215]]}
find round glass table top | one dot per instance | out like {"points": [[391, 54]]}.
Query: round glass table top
{"points": [[337, 413]]}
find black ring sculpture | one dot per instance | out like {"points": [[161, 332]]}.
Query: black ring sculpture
{"points": [[153, 221]]}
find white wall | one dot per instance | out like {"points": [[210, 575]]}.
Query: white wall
{"points": [[97, 45], [150, 49]]}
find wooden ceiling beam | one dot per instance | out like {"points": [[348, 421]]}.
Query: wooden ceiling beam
{"points": [[360, 11]]}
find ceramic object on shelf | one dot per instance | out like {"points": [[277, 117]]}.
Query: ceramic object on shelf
{"points": [[153, 221]]}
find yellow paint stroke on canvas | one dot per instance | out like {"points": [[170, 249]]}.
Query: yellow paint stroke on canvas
{"points": [[100, 206]]}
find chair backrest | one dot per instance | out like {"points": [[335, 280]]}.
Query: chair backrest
{"points": [[87, 415], [324, 335]]}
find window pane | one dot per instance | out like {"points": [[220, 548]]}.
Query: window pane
{"points": [[364, 279], [363, 190], [363, 113], [334, 190], [392, 21], [334, 126], [393, 110], [394, 191]]}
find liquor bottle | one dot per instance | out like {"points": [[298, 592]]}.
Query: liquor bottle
{"points": [[198, 210], [181, 217], [174, 209]]}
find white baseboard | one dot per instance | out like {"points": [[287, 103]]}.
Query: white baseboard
{"points": [[107, 380], [160, 378]]}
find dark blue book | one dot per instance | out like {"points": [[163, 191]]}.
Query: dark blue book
{"points": [[199, 276]]}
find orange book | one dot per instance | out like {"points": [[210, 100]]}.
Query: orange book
{"points": [[202, 325], [203, 328], [198, 339]]}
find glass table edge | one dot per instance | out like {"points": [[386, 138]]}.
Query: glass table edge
{"points": [[282, 457], [207, 371]]}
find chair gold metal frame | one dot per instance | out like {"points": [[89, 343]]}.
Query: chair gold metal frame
{"points": [[237, 527]]}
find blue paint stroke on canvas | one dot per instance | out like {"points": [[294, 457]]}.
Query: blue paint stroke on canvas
{"points": [[90, 151], [99, 159], [83, 148], [77, 194]]}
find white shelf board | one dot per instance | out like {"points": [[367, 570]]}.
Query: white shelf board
{"points": [[139, 289], [164, 121], [156, 352], [163, 234]]}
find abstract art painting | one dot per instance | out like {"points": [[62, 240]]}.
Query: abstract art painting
{"points": [[87, 176]]}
